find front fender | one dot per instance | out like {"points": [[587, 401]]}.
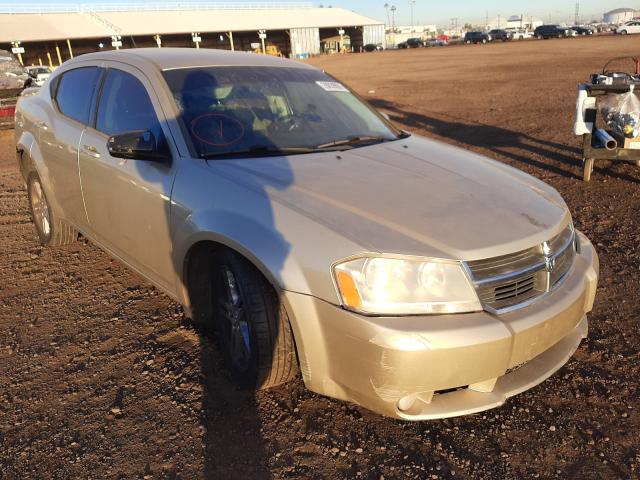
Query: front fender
{"points": [[266, 248]]}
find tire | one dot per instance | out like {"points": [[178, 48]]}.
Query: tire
{"points": [[540, 37], [484, 40], [468, 42], [233, 301], [51, 231], [587, 169]]}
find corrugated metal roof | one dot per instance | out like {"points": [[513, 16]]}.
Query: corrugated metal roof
{"points": [[28, 27]]}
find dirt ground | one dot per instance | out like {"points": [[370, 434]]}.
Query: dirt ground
{"points": [[101, 377]]}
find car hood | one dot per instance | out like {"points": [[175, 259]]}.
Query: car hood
{"points": [[413, 196]]}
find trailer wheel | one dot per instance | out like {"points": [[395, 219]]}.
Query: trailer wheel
{"points": [[587, 169]]}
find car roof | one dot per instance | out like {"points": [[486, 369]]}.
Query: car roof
{"points": [[173, 58]]}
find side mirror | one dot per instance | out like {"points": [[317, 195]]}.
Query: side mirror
{"points": [[138, 145]]}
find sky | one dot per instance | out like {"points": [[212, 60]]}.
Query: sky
{"points": [[441, 12]]}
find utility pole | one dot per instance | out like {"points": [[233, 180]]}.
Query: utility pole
{"points": [[576, 20]]}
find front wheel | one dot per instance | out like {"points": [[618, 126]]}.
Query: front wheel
{"points": [[50, 230], [236, 303], [623, 32]]}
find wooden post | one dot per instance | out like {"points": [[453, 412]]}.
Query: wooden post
{"points": [[40, 60], [230, 35], [69, 47], [19, 55], [58, 53], [49, 57]]}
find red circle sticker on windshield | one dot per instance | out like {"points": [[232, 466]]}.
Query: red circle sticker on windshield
{"points": [[217, 129]]}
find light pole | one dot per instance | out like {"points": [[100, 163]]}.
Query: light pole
{"points": [[386, 7], [393, 18], [411, 4]]}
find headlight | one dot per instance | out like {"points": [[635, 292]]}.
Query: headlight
{"points": [[399, 286]]}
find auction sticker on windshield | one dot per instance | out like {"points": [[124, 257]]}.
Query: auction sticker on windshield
{"points": [[332, 86]]}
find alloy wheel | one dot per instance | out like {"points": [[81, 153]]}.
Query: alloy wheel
{"points": [[40, 208], [233, 328]]}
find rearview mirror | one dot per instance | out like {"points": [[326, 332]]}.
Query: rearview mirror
{"points": [[137, 145]]}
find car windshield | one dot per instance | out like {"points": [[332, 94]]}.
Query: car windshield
{"points": [[227, 111]]}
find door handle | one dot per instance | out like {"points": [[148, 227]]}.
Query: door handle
{"points": [[91, 151]]}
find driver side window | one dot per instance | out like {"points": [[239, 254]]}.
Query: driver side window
{"points": [[125, 105]]}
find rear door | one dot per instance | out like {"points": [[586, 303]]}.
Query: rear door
{"points": [[128, 201], [60, 135]]}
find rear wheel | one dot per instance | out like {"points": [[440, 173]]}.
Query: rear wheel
{"points": [[623, 32], [51, 231], [233, 301]]}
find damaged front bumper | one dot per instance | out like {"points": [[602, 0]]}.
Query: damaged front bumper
{"points": [[428, 367]]}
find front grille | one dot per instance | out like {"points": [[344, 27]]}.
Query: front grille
{"points": [[511, 280]]}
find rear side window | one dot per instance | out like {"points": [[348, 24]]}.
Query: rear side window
{"points": [[75, 91], [125, 105]]}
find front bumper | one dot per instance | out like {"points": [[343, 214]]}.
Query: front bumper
{"points": [[428, 367]]}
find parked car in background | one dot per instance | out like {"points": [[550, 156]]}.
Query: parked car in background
{"points": [[39, 74], [402, 45], [580, 30], [256, 192], [629, 28], [415, 43], [372, 47], [500, 34], [544, 32], [13, 79], [521, 34], [476, 37], [435, 42]]}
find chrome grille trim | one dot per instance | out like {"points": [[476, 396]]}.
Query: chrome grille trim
{"points": [[510, 282]]}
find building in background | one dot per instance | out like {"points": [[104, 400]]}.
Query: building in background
{"points": [[404, 32], [50, 34], [621, 15], [526, 22]]}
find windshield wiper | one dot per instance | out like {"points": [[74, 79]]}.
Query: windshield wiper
{"points": [[354, 141], [259, 152]]}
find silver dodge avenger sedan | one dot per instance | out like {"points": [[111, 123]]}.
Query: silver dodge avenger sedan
{"points": [[306, 232]]}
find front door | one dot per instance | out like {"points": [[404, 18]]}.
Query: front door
{"points": [[128, 201]]}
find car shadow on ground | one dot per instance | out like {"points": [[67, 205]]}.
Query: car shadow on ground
{"points": [[516, 146], [233, 446]]}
